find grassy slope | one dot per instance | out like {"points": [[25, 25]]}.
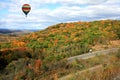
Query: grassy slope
{"points": [[69, 39], [53, 45], [108, 68]]}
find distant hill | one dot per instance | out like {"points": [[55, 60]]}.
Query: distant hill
{"points": [[5, 31], [15, 32], [7, 35]]}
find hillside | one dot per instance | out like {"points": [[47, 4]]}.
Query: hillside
{"points": [[43, 53], [69, 39], [8, 35]]}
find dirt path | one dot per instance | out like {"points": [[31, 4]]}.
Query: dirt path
{"points": [[86, 56], [93, 54]]}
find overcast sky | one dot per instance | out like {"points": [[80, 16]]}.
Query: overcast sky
{"points": [[49, 12]]}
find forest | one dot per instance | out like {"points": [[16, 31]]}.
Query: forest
{"points": [[42, 55]]}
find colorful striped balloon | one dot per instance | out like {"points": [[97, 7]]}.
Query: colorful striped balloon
{"points": [[26, 9]]}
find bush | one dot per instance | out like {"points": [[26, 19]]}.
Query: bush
{"points": [[118, 54], [5, 45], [8, 56]]}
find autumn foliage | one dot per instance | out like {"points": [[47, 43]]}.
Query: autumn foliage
{"points": [[43, 53]]}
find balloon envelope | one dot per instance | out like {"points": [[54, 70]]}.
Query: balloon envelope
{"points": [[26, 8]]}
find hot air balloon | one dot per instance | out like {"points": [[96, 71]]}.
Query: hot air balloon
{"points": [[26, 9]]}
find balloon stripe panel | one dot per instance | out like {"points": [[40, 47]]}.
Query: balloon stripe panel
{"points": [[26, 8]]}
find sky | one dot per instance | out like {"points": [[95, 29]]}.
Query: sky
{"points": [[45, 13]]}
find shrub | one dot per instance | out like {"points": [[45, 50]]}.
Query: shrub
{"points": [[118, 54]]}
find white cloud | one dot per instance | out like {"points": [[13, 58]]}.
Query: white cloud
{"points": [[68, 10], [74, 1]]}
